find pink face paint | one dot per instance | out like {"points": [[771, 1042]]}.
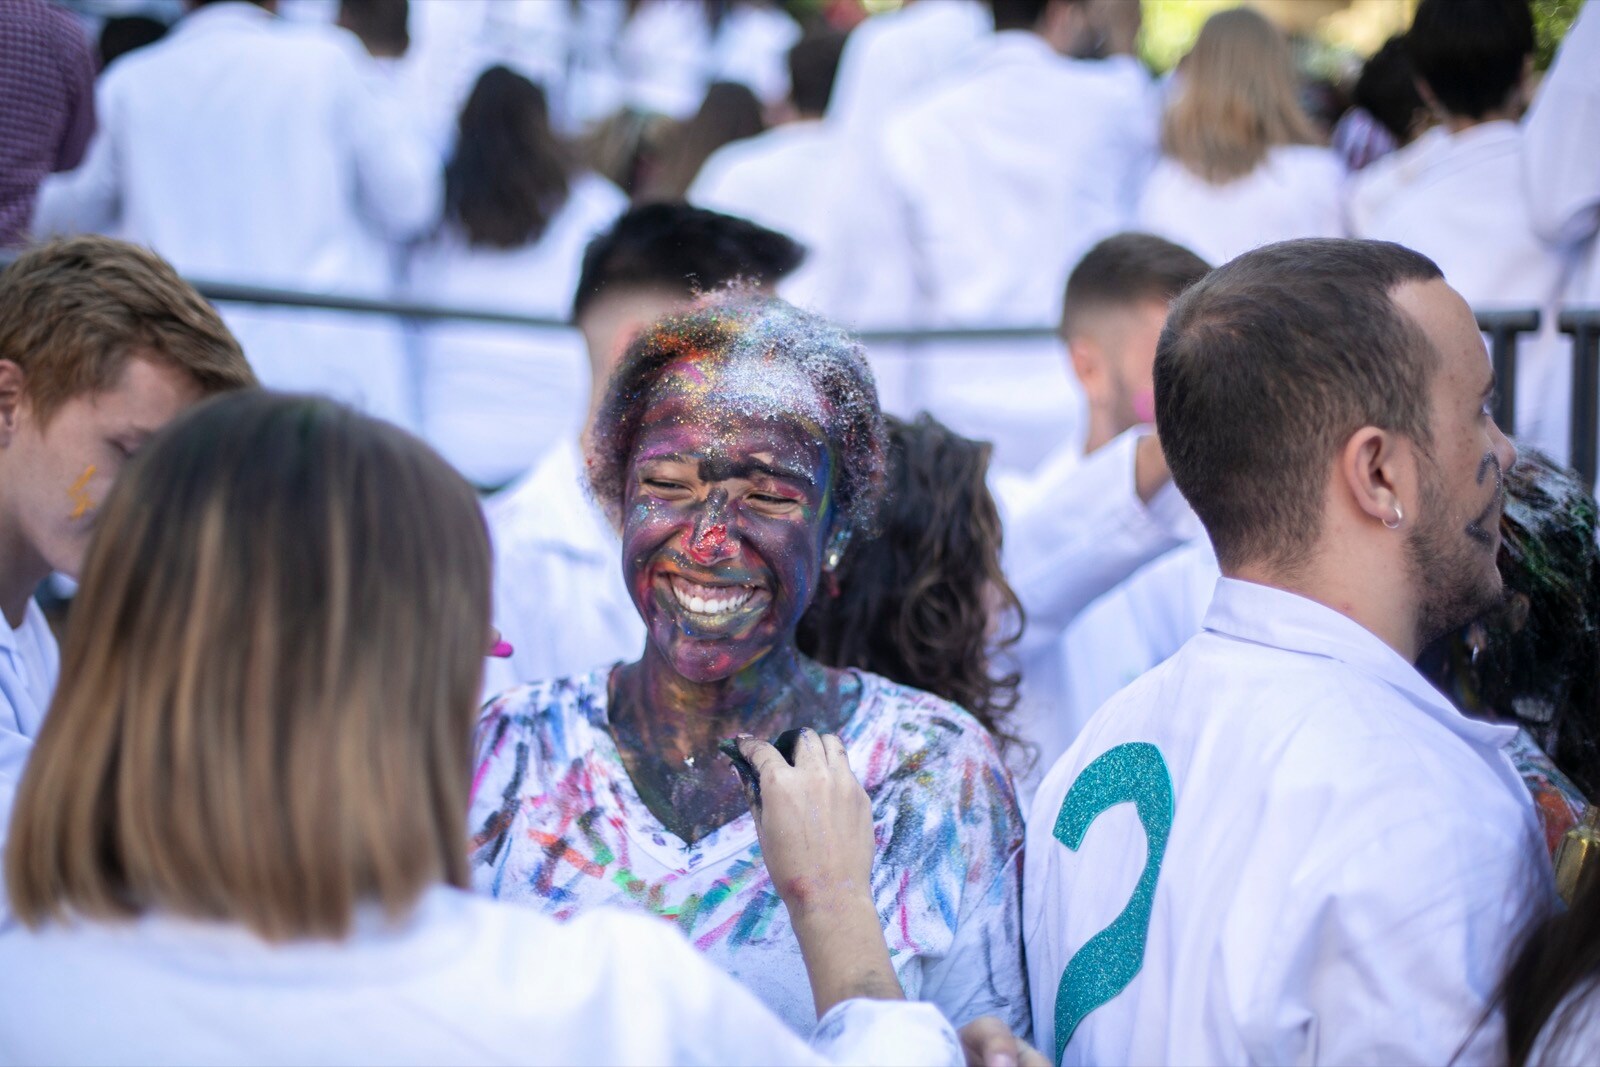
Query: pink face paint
{"points": [[502, 649], [78, 493], [1144, 405], [708, 546]]}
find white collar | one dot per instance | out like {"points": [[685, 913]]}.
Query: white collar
{"points": [[32, 615], [223, 13], [1280, 619]]}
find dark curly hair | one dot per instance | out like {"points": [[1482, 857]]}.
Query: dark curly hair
{"points": [[915, 603], [1535, 659], [733, 326]]}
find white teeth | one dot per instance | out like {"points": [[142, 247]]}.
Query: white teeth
{"points": [[710, 600]]}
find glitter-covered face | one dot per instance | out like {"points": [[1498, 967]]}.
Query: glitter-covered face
{"points": [[726, 513]]}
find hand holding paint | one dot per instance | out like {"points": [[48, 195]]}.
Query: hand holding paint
{"points": [[815, 825]]}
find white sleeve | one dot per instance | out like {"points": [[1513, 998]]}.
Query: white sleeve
{"points": [[719, 1021], [1077, 538], [399, 178], [87, 199], [1561, 138]]}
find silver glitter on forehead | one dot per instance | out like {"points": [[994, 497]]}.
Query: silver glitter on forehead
{"points": [[741, 354]]}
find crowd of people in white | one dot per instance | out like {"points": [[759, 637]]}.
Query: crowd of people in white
{"points": [[950, 165]]}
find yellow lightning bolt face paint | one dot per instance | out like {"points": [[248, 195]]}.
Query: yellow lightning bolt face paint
{"points": [[79, 492]]}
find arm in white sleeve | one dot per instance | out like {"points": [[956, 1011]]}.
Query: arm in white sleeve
{"points": [[716, 1020], [87, 199], [1075, 538], [399, 178], [1561, 138]]}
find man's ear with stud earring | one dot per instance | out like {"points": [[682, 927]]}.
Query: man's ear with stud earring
{"points": [[832, 555]]}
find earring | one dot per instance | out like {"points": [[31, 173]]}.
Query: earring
{"points": [[1399, 517], [835, 553]]}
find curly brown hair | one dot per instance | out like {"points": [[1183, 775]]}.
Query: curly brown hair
{"points": [[920, 603]]}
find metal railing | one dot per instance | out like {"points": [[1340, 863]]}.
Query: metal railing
{"points": [[1504, 329]]}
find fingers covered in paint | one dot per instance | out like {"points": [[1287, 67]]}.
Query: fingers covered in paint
{"points": [[814, 821]]}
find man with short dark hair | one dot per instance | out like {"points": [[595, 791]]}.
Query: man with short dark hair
{"points": [[1458, 193], [787, 177], [101, 344], [559, 596], [1315, 857], [1087, 519]]}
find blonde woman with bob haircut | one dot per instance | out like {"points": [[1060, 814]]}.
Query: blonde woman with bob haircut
{"points": [[240, 838], [1242, 165]]}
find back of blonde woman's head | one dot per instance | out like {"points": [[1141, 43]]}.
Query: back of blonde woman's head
{"points": [[1237, 98], [268, 683]]}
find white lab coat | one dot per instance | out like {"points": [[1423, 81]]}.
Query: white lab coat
{"points": [[1349, 857], [30, 664], [1295, 192], [247, 149], [1461, 199], [784, 179], [461, 980], [892, 59], [1561, 151], [495, 398], [1073, 531], [987, 194], [1132, 628], [559, 596], [667, 54]]}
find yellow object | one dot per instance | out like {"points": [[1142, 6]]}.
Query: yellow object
{"points": [[79, 492], [1575, 862]]}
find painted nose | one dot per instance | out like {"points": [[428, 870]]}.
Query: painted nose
{"points": [[709, 540]]}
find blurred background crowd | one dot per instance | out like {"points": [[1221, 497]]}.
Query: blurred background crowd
{"points": [[944, 162]]}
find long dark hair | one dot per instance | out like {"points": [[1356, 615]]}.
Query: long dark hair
{"points": [[1561, 956], [730, 112], [510, 174], [916, 602]]}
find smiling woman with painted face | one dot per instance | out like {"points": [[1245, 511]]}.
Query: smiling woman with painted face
{"points": [[740, 448]]}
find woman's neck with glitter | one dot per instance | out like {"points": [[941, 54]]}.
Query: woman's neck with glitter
{"points": [[668, 712]]}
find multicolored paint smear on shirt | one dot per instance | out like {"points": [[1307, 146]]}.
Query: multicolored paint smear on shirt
{"points": [[1558, 802], [557, 824]]}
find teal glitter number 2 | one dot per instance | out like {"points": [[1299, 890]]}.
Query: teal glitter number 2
{"points": [[1109, 960]]}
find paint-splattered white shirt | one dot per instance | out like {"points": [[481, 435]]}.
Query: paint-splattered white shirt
{"points": [[557, 823]]}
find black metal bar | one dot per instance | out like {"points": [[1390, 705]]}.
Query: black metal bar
{"points": [[1584, 326], [1503, 327]]}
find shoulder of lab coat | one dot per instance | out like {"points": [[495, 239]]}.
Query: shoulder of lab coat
{"points": [[1079, 530], [461, 979], [1562, 140], [399, 180], [1348, 862], [890, 58]]}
